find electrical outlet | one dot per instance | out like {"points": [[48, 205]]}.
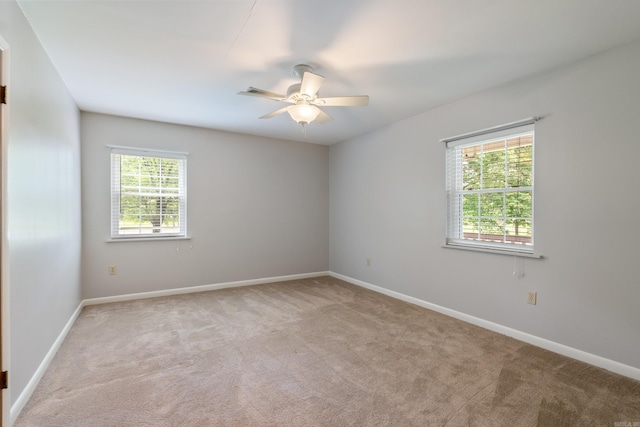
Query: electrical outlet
{"points": [[113, 270], [368, 262], [532, 297]]}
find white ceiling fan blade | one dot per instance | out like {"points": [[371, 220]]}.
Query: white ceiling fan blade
{"points": [[252, 91], [310, 84], [323, 117], [275, 113], [343, 101]]}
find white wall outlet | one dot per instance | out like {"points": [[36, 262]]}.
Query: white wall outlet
{"points": [[113, 270], [368, 262], [532, 296]]}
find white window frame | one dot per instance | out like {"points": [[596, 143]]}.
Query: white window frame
{"points": [[116, 234], [454, 227]]}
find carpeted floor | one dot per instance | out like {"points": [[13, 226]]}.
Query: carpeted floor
{"points": [[314, 352]]}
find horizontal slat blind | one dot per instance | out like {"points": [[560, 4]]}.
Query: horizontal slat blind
{"points": [[148, 193], [490, 188]]}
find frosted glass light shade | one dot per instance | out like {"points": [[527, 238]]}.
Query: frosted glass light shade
{"points": [[303, 113]]}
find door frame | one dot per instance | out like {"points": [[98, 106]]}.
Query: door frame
{"points": [[5, 400]]}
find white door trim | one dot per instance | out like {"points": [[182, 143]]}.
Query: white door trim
{"points": [[4, 249]]}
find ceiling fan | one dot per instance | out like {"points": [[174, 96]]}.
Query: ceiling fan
{"points": [[305, 100]]}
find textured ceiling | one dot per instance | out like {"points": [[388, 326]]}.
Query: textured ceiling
{"points": [[184, 61]]}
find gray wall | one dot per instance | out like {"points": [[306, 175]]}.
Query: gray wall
{"points": [[388, 203], [257, 208], [43, 200]]}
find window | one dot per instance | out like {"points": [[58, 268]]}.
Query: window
{"points": [[148, 194], [490, 189]]}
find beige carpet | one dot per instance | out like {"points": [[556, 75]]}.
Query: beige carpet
{"points": [[315, 352]]}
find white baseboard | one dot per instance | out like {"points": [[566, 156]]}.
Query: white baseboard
{"points": [[203, 288], [24, 397], [583, 356]]}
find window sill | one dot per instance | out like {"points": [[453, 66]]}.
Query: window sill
{"points": [[146, 239], [498, 251]]}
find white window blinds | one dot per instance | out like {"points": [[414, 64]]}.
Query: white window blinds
{"points": [[490, 189], [148, 193]]}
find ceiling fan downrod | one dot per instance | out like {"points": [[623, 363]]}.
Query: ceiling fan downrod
{"points": [[300, 69]]}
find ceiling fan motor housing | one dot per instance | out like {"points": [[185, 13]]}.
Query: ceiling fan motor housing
{"points": [[293, 92], [294, 95]]}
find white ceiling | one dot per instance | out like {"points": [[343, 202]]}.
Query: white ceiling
{"points": [[184, 61]]}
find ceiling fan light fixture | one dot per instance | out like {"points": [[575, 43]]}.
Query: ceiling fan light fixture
{"points": [[303, 113]]}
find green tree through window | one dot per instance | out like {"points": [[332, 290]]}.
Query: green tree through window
{"points": [[497, 203], [149, 194]]}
